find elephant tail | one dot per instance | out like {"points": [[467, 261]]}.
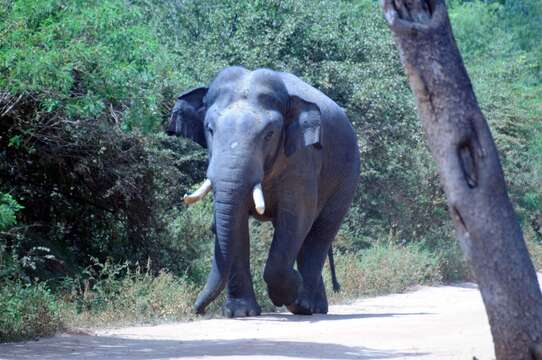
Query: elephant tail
{"points": [[336, 285]]}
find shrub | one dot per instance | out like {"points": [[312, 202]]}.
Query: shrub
{"points": [[27, 310], [8, 210], [386, 268]]}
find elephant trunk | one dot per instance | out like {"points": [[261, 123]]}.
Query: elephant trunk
{"points": [[231, 221]]}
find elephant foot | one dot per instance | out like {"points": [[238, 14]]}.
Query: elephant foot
{"points": [[308, 304], [241, 308], [283, 288]]}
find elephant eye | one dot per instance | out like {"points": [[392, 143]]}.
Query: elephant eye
{"points": [[268, 136], [210, 129]]}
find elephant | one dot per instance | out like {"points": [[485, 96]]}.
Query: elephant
{"points": [[281, 151]]}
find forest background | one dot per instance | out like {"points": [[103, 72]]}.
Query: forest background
{"points": [[93, 231]]}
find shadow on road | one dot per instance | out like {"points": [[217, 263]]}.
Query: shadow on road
{"points": [[326, 317], [114, 348], [465, 285]]}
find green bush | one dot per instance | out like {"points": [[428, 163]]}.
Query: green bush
{"points": [[190, 235], [10, 266], [8, 210], [386, 268], [27, 310], [87, 59]]}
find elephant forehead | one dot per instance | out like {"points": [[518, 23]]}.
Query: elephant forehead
{"points": [[262, 92], [242, 113]]}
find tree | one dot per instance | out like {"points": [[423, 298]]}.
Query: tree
{"points": [[460, 141]]}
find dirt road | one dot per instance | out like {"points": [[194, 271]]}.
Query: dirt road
{"points": [[446, 322]]}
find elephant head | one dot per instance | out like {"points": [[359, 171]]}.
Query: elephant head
{"points": [[249, 124]]}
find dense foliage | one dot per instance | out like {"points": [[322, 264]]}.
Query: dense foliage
{"points": [[87, 178]]}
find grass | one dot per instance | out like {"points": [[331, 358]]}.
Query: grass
{"points": [[140, 297], [135, 299], [383, 269], [120, 296], [110, 294]]}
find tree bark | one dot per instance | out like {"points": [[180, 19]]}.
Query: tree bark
{"points": [[463, 148]]}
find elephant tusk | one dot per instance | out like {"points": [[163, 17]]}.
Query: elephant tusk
{"points": [[259, 202], [199, 193]]}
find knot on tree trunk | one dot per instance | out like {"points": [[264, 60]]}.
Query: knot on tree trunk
{"points": [[469, 154]]}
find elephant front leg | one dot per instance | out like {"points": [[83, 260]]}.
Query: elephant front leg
{"points": [[241, 300], [312, 256], [284, 283]]}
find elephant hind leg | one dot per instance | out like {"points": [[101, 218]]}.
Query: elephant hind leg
{"points": [[312, 256]]}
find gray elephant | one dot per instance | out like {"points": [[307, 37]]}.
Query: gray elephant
{"points": [[281, 151]]}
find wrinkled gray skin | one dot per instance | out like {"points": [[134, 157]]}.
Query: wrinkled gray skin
{"points": [[271, 128]]}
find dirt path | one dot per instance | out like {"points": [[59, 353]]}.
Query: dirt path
{"points": [[446, 322]]}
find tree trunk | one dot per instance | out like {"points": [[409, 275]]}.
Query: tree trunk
{"points": [[463, 148]]}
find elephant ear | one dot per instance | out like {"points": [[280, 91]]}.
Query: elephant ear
{"points": [[188, 115], [304, 125]]}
